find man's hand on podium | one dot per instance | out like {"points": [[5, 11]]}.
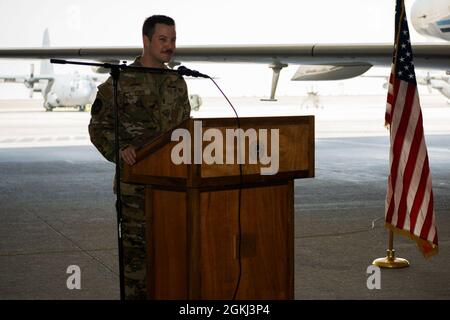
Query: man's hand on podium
{"points": [[128, 155]]}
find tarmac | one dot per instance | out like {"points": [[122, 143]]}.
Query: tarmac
{"points": [[56, 206]]}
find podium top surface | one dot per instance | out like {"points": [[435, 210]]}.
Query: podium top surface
{"points": [[204, 152]]}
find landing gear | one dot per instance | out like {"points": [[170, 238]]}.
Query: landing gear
{"points": [[48, 107], [276, 67]]}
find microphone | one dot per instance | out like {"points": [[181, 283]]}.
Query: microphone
{"points": [[183, 71], [59, 61]]}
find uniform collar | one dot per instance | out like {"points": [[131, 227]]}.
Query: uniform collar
{"points": [[137, 62]]}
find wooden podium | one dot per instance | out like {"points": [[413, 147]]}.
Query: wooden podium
{"points": [[193, 217]]}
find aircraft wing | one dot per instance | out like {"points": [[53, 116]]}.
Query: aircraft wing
{"points": [[13, 79], [430, 56], [22, 79]]}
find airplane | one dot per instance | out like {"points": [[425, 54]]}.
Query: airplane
{"points": [[313, 97], [68, 90], [338, 61], [58, 90], [440, 83]]}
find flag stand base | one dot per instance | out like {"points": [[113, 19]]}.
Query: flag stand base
{"points": [[390, 261]]}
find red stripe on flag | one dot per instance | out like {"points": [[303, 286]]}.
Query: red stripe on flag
{"points": [[415, 209], [428, 219], [392, 100], [409, 171], [398, 144]]}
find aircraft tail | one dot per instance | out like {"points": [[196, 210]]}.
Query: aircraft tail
{"points": [[46, 66]]}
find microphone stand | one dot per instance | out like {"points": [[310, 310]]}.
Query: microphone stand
{"points": [[115, 70]]}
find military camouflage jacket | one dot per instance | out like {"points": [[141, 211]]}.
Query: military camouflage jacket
{"points": [[149, 104]]}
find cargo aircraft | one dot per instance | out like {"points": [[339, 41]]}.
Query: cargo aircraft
{"points": [[58, 90]]}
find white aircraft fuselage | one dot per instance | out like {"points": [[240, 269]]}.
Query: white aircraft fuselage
{"points": [[71, 90], [432, 18]]}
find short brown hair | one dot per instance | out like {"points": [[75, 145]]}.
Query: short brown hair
{"points": [[148, 28]]}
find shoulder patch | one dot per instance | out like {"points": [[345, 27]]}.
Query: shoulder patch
{"points": [[96, 107]]}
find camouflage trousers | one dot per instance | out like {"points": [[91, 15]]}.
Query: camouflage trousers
{"points": [[134, 241]]}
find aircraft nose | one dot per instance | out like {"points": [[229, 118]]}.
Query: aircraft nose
{"points": [[85, 89]]}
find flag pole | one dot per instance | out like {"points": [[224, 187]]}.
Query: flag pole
{"points": [[390, 261]]}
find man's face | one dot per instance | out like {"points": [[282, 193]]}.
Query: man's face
{"points": [[162, 44]]}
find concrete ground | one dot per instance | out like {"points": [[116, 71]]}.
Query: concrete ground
{"points": [[56, 207]]}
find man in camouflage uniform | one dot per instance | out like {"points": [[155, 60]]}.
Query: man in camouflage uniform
{"points": [[149, 104]]}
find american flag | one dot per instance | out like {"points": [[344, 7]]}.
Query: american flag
{"points": [[409, 199]]}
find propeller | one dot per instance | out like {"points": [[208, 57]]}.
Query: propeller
{"points": [[428, 82], [31, 80]]}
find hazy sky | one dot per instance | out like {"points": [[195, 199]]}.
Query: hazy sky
{"points": [[203, 22]]}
